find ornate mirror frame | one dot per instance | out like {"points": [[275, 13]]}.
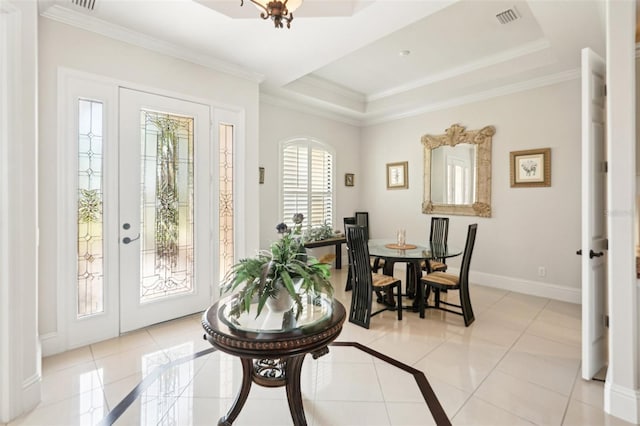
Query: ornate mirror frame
{"points": [[454, 135]]}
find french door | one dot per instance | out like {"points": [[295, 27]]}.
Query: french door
{"points": [[164, 203]]}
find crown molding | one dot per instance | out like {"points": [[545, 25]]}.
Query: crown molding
{"points": [[95, 25], [508, 55], [548, 80], [324, 110], [329, 86], [337, 113]]}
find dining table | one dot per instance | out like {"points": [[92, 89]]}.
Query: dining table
{"points": [[414, 256]]}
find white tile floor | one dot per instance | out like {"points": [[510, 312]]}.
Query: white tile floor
{"points": [[518, 364]]}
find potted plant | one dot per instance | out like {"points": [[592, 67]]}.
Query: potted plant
{"points": [[277, 277]]}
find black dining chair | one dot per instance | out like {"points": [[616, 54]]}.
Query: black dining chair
{"points": [[365, 281], [439, 234], [348, 221], [361, 219], [439, 281]]}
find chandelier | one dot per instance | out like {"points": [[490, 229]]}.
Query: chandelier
{"points": [[277, 10]]}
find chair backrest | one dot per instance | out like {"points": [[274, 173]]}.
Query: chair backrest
{"points": [[466, 257], [362, 219], [359, 256], [439, 230], [348, 221]]}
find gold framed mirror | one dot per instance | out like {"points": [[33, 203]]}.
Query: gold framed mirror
{"points": [[457, 172]]}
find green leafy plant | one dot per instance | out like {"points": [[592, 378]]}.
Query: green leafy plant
{"points": [[284, 267], [319, 233]]}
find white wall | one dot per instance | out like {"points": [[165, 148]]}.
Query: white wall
{"points": [[530, 227], [20, 363], [65, 46], [277, 124]]}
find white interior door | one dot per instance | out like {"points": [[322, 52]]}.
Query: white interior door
{"points": [[594, 229], [164, 208]]}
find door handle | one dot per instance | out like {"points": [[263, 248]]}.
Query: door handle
{"points": [[127, 240], [593, 254]]}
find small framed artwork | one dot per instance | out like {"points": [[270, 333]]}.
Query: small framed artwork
{"points": [[348, 179], [260, 174], [398, 175], [530, 168]]}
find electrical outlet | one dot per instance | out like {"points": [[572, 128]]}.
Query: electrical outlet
{"points": [[542, 271]]}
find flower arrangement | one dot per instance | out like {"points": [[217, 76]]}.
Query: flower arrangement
{"points": [[284, 267]]}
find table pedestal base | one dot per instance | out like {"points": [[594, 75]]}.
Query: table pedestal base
{"points": [[271, 373]]}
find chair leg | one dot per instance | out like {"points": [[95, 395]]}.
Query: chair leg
{"points": [[467, 310], [436, 293], [399, 305], [349, 285]]}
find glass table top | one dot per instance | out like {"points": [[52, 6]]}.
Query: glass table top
{"points": [[315, 311], [378, 247]]}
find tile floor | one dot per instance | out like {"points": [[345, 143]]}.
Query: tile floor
{"points": [[518, 364]]}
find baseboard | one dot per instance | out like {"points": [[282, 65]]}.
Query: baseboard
{"points": [[622, 402], [52, 344], [519, 285], [31, 391]]}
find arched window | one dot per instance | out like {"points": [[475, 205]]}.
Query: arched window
{"points": [[307, 181]]}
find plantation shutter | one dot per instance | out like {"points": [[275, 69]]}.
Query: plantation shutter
{"points": [[307, 183]]}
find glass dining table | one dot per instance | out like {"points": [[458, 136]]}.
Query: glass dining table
{"points": [[413, 255]]}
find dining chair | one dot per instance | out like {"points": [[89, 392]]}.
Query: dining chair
{"points": [[439, 281], [438, 234], [348, 221], [365, 281], [360, 219]]}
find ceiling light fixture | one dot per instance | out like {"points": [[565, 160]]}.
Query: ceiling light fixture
{"points": [[277, 10]]}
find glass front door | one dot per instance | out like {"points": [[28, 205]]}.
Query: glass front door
{"points": [[165, 221]]}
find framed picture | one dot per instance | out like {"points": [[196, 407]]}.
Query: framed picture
{"points": [[530, 168], [348, 179], [398, 175], [261, 175]]}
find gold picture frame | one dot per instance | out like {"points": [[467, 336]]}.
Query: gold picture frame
{"points": [[349, 179], [398, 175], [530, 168]]}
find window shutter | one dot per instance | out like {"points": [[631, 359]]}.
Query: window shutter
{"points": [[307, 183]]}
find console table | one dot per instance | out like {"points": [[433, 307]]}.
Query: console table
{"points": [[337, 241], [272, 346]]}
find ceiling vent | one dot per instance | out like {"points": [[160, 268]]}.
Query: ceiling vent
{"points": [[508, 16], [85, 4]]}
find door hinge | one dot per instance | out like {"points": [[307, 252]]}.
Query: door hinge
{"points": [[605, 244], [606, 321], [604, 89], [604, 167]]}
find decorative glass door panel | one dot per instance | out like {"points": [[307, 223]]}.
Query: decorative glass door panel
{"points": [[165, 198], [226, 248], [167, 205], [90, 284]]}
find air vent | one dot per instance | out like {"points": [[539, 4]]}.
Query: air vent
{"points": [[85, 4], [508, 16]]}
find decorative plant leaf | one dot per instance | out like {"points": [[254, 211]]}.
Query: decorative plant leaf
{"points": [[284, 264]]}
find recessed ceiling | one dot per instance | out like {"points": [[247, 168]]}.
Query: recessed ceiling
{"points": [[311, 9], [342, 56]]}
